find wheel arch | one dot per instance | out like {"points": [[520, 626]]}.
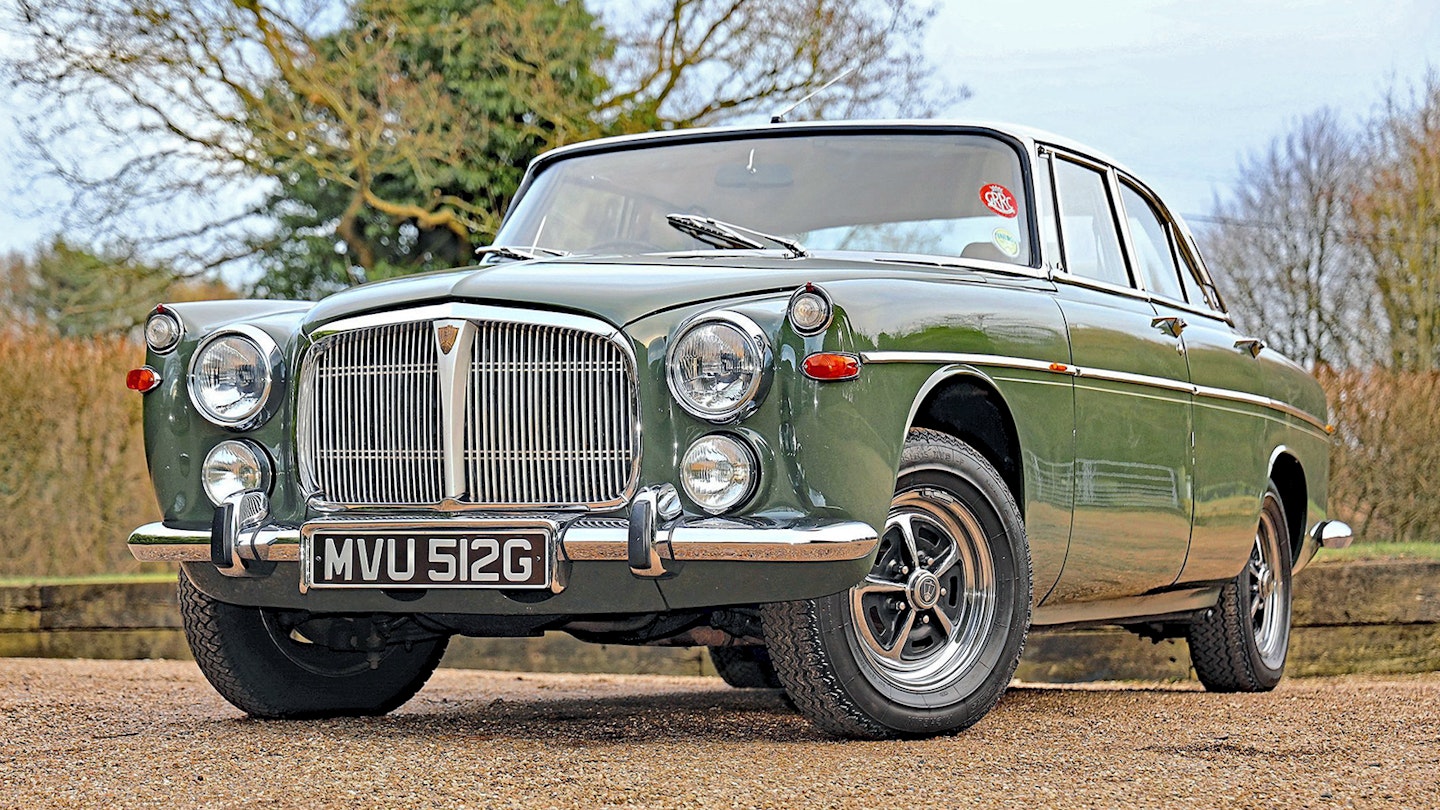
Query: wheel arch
{"points": [[1288, 475], [965, 403]]}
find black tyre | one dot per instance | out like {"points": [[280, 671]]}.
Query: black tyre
{"points": [[263, 663], [745, 667], [1240, 645], [928, 642]]}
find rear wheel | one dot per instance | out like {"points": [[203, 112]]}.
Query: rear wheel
{"points": [[1241, 644], [927, 643], [286, 664], [745, 667]]}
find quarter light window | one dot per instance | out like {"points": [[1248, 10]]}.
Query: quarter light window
{"points": [[1092, 243], [1153, 252]]}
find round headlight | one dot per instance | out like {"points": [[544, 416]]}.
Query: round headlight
{"points": [[719, 367], [162, 332], [231, 376], [719, 472], [234, 466]]}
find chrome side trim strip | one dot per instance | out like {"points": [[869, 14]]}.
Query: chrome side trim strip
{"points": [[707, 540], [1027, 364], [994, 360]]}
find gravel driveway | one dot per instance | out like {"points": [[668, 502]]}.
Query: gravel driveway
{"points": [[136, 733]]}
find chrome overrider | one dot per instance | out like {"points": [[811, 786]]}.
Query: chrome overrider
{"points": [[652, 540], [1332, 534]]}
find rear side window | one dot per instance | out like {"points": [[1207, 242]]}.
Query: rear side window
{"points": [[1092, 243], [1153, 251]]}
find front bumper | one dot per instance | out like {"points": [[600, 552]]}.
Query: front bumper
{"points": [[703, 540], [686, 564]]}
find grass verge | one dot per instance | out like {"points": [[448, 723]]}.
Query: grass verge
{"points": [[92, 579], [1372, 552]]}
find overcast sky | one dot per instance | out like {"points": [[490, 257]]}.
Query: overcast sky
{"points": [[1177, 90]]}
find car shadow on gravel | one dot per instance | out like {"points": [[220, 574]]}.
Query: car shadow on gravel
{"points": [[719, 715], [694, 717]]}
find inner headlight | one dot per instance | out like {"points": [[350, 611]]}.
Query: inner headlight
{"points": [[234, 466], [719, 367], [719, 472], [231, 376]]}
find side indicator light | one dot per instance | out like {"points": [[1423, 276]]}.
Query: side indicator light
{"points": [[1059, 367], [1330, 429], [143, 379], [830, 366]]}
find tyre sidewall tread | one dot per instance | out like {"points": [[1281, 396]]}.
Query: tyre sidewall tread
{"points": [[811, 640], [1223, 650], [237, 655]]}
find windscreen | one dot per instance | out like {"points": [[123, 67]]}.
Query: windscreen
{"points": [[935, 194]]}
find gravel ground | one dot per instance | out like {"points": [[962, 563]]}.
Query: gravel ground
{"points": [[151, 733]]}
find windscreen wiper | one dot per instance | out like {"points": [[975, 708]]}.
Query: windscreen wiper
{"points": [[519, 254], [729, 235]]}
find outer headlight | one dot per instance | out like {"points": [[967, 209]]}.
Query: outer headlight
{"points": [[232, 375], [719, 472], [719, 367], [234, 466]]}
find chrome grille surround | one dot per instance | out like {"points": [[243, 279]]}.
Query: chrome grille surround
{"points": [[505, 409]]}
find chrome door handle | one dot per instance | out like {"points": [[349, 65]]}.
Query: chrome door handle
{"points": [[1169, 324], [1251, 345]]}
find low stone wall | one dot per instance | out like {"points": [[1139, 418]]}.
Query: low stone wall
{"points": [[1381, 617]]}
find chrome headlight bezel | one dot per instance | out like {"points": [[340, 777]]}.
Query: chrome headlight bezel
{"points": [[272, 366], [757, 344]]}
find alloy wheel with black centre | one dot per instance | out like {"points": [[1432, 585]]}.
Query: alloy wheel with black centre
{"points": [[928, 641]]}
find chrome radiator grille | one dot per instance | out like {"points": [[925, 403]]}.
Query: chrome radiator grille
{"points": [[371, 409], [548, 418], [523, 415]]}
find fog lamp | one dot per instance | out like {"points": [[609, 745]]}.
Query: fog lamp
{"points": [[719, 472], [234, 466]]}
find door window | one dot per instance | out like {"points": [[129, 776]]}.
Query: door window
{"points": [[1092, 243]]}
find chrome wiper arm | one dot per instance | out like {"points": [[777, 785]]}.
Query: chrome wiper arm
{"points": [[520, 254], [729, 235]]}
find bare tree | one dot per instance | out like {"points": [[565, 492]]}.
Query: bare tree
{"points": [[1282, 247], [180, 123], [1397, 205], [683, 63]]}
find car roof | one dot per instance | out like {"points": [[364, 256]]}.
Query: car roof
{"points": [[1028, 135]]}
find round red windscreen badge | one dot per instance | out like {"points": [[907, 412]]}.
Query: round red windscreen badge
{"points": [[999, 199]]}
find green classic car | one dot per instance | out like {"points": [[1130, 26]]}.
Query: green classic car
{"points": [[854, 405]]}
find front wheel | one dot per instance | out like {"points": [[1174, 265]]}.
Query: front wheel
{"points": [[927, 643], [284, 664], [1240, 645]]}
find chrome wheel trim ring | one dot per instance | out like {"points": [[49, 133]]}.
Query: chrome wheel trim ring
{"points": [[926, 646], [1269, 594]]}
